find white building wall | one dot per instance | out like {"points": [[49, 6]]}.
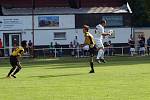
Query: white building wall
{"points": [[144, 31], [121, 35], [25, 22], [45, 35], [27, 35], [15, 22]]}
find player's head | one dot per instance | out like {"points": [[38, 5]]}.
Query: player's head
{"points": [[103, 22], [24, 43], [85, 28]]}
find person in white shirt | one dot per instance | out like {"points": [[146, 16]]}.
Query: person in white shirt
{"points": [[100, 34]]}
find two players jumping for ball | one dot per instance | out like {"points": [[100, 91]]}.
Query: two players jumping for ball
{"points": [[95, 43]]}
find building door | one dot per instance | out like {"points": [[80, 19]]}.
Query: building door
{"points": [[11, 41]]}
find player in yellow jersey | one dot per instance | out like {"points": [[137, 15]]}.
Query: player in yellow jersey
{"points": [[89, 40], [14, 59]]}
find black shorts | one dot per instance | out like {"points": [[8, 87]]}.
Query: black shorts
{"points": [[13, 61], [92, 51]]}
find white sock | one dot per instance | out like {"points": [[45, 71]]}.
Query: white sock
{"points": [[100, 54], [131, 53]]}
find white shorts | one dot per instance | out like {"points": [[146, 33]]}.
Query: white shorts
{"points": [[86, 47], [132, 49], [99, 44], [142, 49]]}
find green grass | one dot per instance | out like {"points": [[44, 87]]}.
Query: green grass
{"points": [[121, 78]]}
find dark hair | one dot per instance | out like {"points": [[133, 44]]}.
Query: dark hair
{"points": [[86, 27], [24, 43], [103, 21]]}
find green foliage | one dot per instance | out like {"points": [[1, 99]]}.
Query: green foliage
{"points": [[141, 13]]}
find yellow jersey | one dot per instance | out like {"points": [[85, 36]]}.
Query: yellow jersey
{"points": [[89, 39], [18, 51]]}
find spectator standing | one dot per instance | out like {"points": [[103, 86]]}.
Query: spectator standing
{"points": [[15, 44], [76, 41], [142, 47], [131, 43], [142, 38], [71, 46], [51, 49], [58, 49], [1, 46], [76, 45], [148, 45], [30, 45], [110, 48]]}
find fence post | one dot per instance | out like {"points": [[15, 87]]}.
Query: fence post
{"points": [[55, 53], [78, 49], [44, 52], [122, 50]]}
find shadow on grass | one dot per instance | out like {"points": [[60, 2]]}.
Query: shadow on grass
{"points": [[4, 77], [81, 62], [113, 61], [63, 75]]}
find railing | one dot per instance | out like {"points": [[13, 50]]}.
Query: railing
{"points": [[60, 52]]}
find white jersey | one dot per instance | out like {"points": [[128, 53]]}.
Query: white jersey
{"points": [[99, 37], [99, 31]]}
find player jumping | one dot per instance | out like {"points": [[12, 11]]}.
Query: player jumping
{"points": [[100, 33]]}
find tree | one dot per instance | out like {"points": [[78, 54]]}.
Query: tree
{"points": [[141, 13]]}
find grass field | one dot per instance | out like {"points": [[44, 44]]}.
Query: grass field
{"points": [[121, 78]]}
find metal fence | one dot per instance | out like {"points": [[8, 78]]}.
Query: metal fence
{"points": [[63, 52]]}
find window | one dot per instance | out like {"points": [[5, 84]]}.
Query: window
{"points": [[59, 35], [114, 20]]}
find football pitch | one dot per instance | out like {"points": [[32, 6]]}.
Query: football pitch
{"points": [[121, 78]]}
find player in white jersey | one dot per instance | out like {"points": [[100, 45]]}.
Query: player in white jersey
{"points": [[100, 34]]}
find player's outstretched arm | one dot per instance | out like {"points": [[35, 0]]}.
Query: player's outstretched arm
{"points": [[106, 33]]}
